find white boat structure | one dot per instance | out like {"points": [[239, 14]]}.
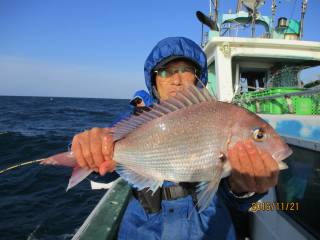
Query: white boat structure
{"points": [[260, 73]]}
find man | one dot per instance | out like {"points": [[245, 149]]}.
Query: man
{"points": [[173, 65], [141, 99]]}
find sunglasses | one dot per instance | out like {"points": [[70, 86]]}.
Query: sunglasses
{"points": [[168, 72]]}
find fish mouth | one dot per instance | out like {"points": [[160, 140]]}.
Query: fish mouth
{"points": [[282, 154]]}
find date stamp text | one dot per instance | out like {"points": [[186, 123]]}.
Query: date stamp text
{"points": [[274, 206]]}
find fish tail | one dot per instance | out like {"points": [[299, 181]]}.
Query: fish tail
{"points": [[62, 159], [78, 174], [68, 159]]}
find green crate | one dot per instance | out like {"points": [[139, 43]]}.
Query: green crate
{"points": [[318, 108], [315, 104], [253, 94], [278, 105], [243, 99], [282, 90], [264, 106], [251, 107], [304, 105]]}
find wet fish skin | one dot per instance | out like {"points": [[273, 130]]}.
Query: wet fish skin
{"points": [[184, 145]]}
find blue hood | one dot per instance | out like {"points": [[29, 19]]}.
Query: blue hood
{"points": [[144, 96], [175, 46]]}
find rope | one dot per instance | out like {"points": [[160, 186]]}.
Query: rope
{"points": [[20, 165]]}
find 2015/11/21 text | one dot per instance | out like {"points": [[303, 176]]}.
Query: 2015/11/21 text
{"points": [[274, 206]]}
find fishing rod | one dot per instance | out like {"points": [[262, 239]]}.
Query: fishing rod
{"points": [[20, 165], [63, 159]]}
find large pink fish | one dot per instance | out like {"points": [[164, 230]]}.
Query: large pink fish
{"points": [[183, 139]]}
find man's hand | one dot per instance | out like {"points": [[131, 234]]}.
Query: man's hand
{"points": [[253, 170], [94, 150]]}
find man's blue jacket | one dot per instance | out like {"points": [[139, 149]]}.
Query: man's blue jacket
{"points": [[173, 221]]}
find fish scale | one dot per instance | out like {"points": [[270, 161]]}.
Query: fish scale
{"points": [[168, 154]]}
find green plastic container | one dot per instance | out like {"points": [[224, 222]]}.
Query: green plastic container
{"points": [[251, 107], [281, 90], [264, 106], [316, 104], [304, 105], [279, 105]]}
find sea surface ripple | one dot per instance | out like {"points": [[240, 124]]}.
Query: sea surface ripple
{"points": [[34, 203]]}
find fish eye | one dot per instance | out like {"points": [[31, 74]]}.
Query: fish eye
{"points": [[258, 134]]}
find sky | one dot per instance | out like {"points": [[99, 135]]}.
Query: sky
{"points": [[97, 48]]}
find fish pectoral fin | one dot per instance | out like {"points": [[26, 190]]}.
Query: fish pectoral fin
{"points": [[66, 159], [78, 174], [226, 169], [205, 193], [206, 190], [138, 180]]}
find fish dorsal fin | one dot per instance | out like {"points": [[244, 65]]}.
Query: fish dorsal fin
{"points": [[186, 98]]}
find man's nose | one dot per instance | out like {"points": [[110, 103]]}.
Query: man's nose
{"points": [[176, 78]]}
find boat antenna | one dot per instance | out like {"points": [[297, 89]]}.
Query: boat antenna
{"points": [[273, 8], [253, 23], [303, 10], [239, 4], [215, 19], [252, 8], [207, 20]]}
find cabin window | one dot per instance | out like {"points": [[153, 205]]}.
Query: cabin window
{"points": [[252, 80], [300, 184], [285, 76], [293, 76], [310, 76]]}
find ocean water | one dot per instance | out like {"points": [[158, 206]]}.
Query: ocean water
{"points": [[34, 203]]}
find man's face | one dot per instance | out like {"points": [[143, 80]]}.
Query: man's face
{"points": [[141, 104], [174, 77]]}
